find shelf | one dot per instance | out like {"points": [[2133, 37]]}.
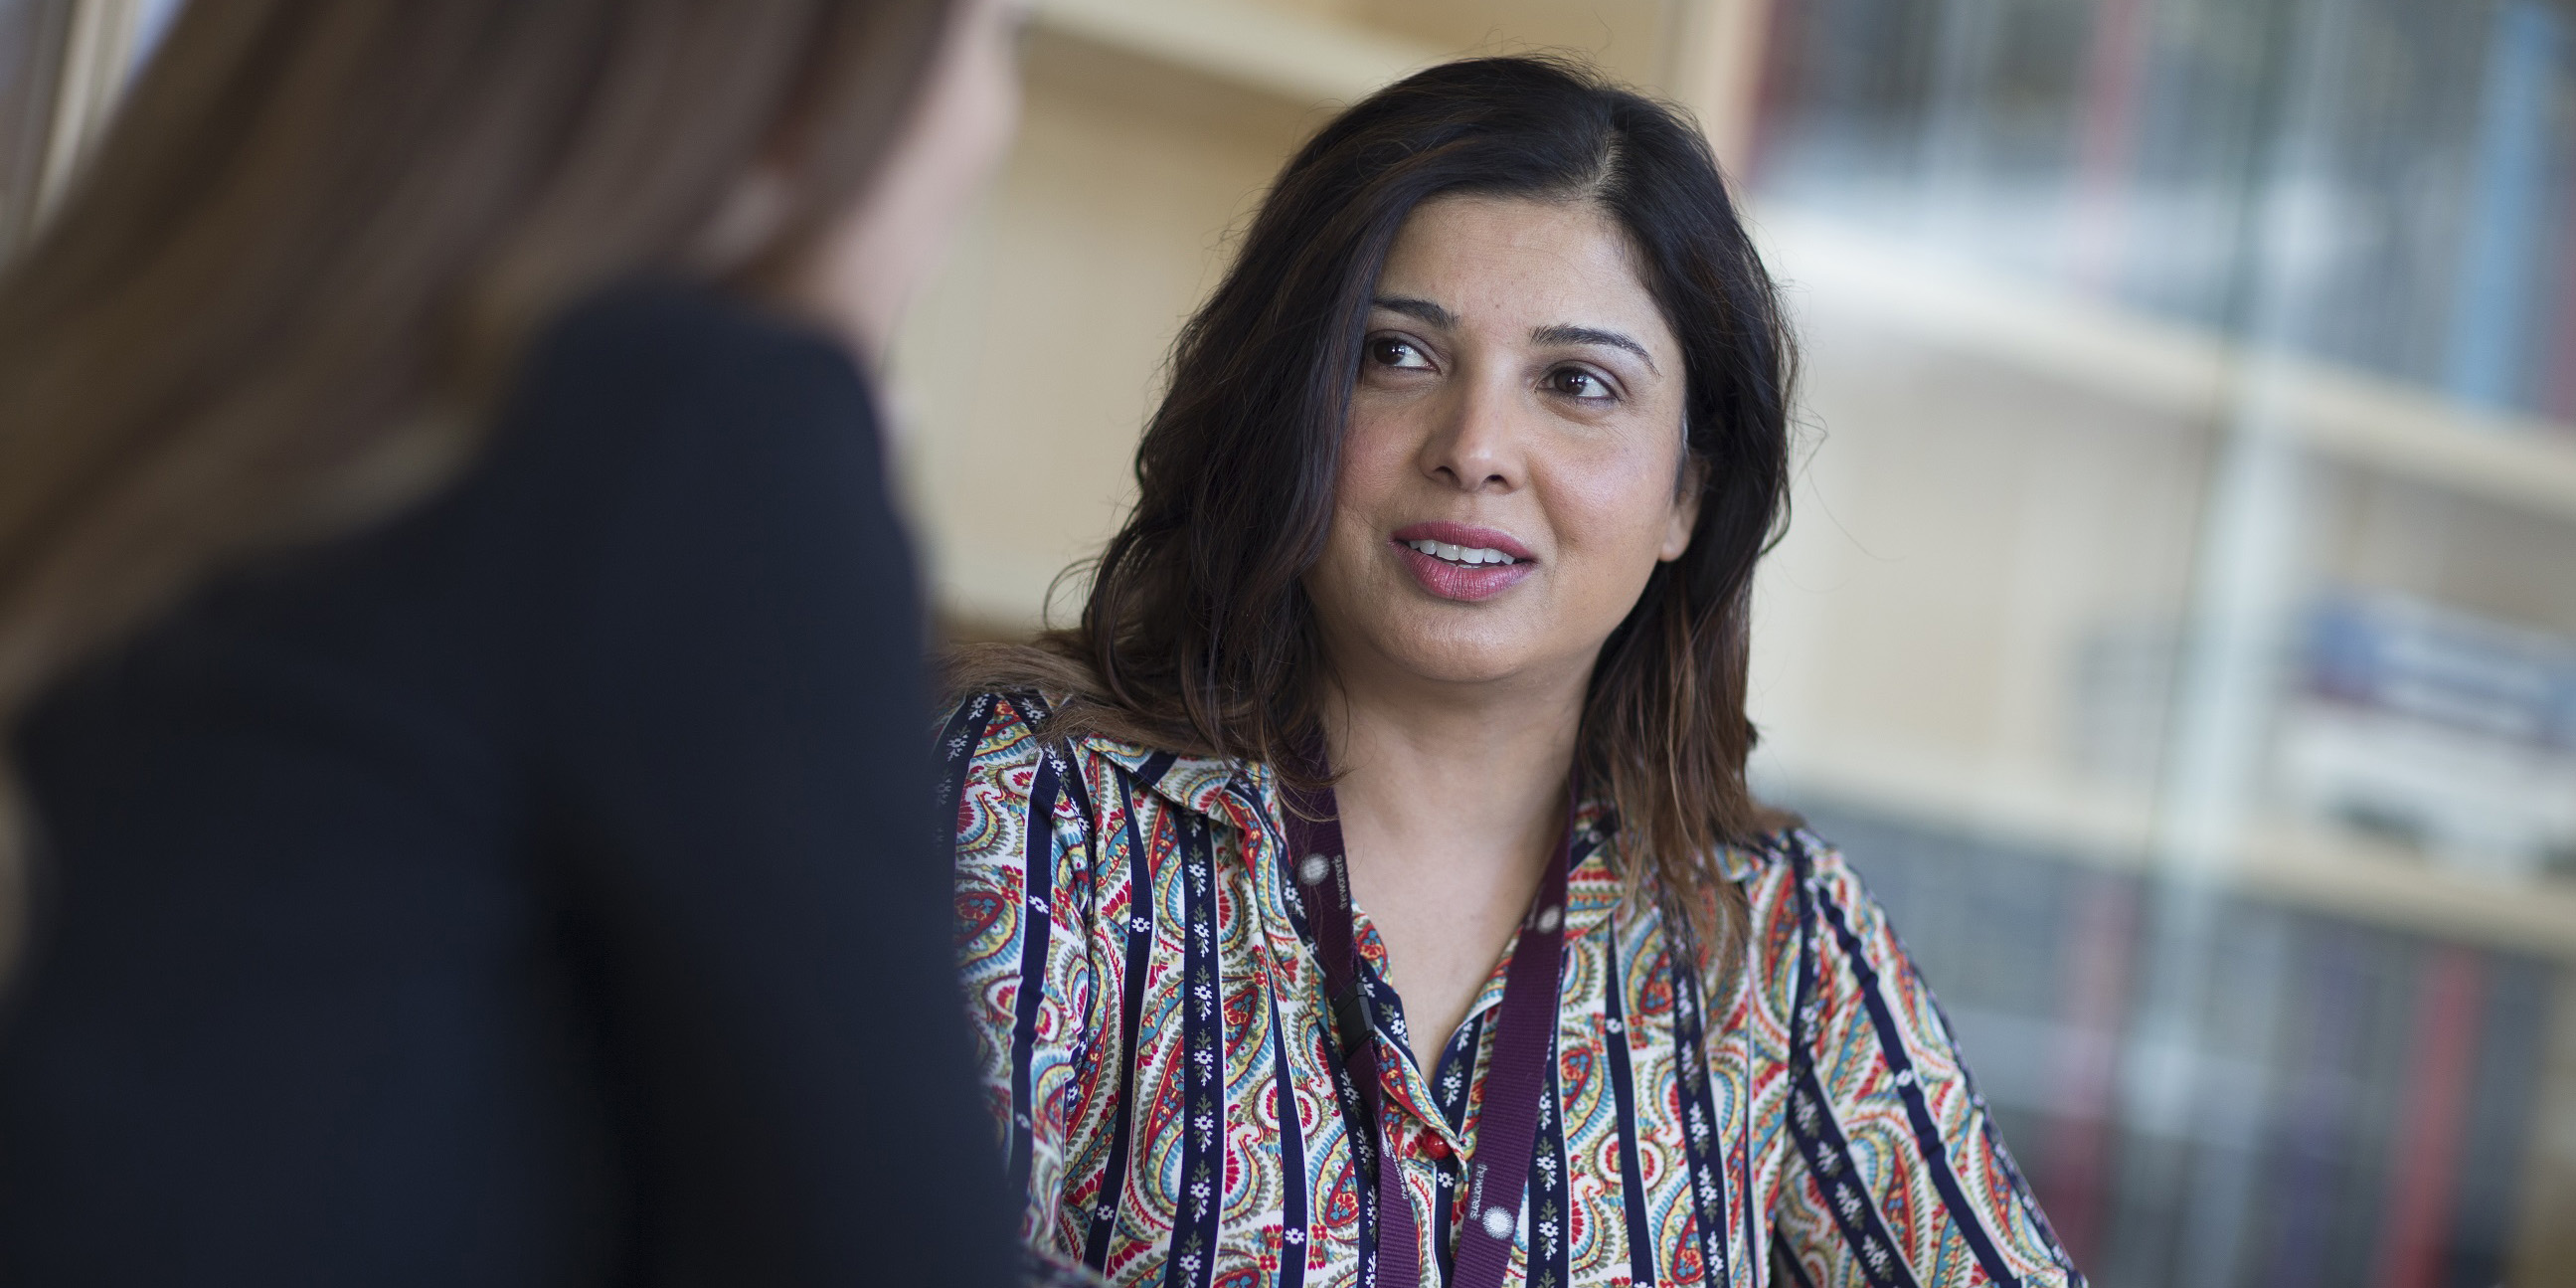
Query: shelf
{"points": [[2015, 805], [2339, 873], [2283, 862], [1305, 61], [2403, 430], [1831, 270]]}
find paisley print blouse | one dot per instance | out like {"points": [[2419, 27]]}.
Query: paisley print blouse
{"points": [[1154, 1041]]}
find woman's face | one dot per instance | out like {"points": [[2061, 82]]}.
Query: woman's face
{"points": [[1513, 467]]}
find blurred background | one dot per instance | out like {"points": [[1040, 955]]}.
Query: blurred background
{"points": [[2178, 624]]}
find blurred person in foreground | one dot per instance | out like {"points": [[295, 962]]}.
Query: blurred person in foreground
{"points": [[461, 674], [1367, 888]]}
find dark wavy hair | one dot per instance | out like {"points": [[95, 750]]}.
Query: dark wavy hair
{"points": [[1197, 636]]}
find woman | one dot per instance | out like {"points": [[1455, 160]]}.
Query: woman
{"points": [[1367, 890], [456, 656]]}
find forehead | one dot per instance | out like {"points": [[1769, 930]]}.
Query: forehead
{"points": [[1519, 262]]}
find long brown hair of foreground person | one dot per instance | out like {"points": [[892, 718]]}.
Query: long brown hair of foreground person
{"points": [[1198, 637], [280, 300]]}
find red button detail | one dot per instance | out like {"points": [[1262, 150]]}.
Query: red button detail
{"points": [[1434, 1147]]}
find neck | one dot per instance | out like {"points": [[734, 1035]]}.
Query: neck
{"points": [[1469, 779], [1452, 805], [1452, 799]]}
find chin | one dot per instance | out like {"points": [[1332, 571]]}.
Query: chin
{"points": [[1474, 655]]}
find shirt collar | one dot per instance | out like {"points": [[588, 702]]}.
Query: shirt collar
{"points": [[1195, 783], [1198, 784]]}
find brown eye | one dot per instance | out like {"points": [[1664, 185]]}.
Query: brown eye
{"points": [[1388, 351], [1575, 382]]}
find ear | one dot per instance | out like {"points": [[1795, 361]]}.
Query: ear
{"points": [[1685, 515]]}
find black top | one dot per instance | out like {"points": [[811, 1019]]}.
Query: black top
{"points": [[543, 889]]}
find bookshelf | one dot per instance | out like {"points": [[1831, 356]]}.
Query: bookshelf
{"points": [[2346, 415], [1841, 277], [2282, 859]]}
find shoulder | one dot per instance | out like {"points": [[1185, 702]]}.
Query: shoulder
{"points": [[1818, 932], [1807, 903], [989, 744], [1787, 865], [666, 332], [685, 381], [1005, 725], [1005, 738], [999, 726]]}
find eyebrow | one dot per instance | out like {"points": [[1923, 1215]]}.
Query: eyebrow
{"points": [[1420, 310], [1562, 334]]}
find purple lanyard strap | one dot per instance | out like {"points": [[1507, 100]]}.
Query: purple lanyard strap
{"points": [[1515, 1081]]}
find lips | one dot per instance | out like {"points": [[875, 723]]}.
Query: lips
{"points": [[1464, 562]]}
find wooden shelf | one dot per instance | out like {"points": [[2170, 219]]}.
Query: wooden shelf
{"points": [[1305, 61], [2014, 804], [1833, 271], [2339, 873], [2282, 861]]}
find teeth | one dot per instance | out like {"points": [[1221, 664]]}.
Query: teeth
{"points": [[1469, 555]]}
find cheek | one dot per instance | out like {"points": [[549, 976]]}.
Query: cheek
{"points": [[1616, 511], [1374, 460]]}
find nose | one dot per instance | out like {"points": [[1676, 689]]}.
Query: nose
{"points": [[1475, 443]]}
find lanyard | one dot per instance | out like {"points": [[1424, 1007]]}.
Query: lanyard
{"points": [[1515, 1080]]}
